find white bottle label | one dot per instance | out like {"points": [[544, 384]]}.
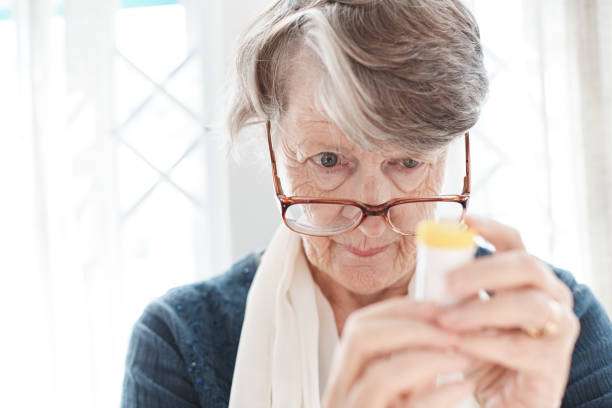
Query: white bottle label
{"points": [[433, 264]]}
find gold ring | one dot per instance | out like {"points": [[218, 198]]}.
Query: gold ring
{"points": [[551, 327]]}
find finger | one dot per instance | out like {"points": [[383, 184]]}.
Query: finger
{"points": [[400, 307], [516, 350], [446, 395], [365, 338], [503, 271], [382, 328], [487, 378], [513, 350], [521, 308], [384, 379], [477, 370], [503, 237]]}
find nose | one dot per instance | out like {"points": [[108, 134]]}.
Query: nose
{"points": [[374, 190], [373, 226]]}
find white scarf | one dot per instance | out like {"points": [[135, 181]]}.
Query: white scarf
{"points": [[289, 332]]}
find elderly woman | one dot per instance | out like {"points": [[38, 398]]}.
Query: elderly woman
{"points": [[360, 102]]}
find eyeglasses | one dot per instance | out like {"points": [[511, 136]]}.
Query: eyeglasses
{"points": [[325, 217]]}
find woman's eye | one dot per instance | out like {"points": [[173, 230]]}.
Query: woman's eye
{"points": [[410, 163], [327, 159]]}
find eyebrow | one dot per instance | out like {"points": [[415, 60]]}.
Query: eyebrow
{"points": [[309, 143], [427, 158]]}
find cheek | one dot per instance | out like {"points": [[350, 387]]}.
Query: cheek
{"points": [[296, 179], [318, 250], [304, 179], [431, 183], [299, 183], [406, 248], [404, 257]]}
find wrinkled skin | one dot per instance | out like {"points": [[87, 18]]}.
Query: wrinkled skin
{"points": [[391, 348], [369, 176]]}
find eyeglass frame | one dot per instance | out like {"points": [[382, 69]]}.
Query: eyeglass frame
{"points": [[366, 209]]}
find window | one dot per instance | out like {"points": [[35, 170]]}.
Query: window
{"points": [[123, 196]]}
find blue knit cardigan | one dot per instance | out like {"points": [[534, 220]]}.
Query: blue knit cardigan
{"points": [[183, 348]]}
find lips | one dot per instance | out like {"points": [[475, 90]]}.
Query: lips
{"points": [[365, 252]]}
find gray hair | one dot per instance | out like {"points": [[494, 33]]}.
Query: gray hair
{"points": [[408, 73]]}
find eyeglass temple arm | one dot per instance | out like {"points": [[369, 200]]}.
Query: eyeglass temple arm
{"points": [[277, 184], [467, 179]]}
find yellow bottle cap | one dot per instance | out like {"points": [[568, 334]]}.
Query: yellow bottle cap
{"points": [[445, 235]]}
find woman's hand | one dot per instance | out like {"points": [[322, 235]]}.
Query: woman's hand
{"points": [[390, 351], [524, 371]]}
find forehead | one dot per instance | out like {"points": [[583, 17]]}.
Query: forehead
{"points": [[302, 122], [308, 129], [305, 125]]}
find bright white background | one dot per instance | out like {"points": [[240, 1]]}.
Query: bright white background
{"points": [[116, 185]]}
